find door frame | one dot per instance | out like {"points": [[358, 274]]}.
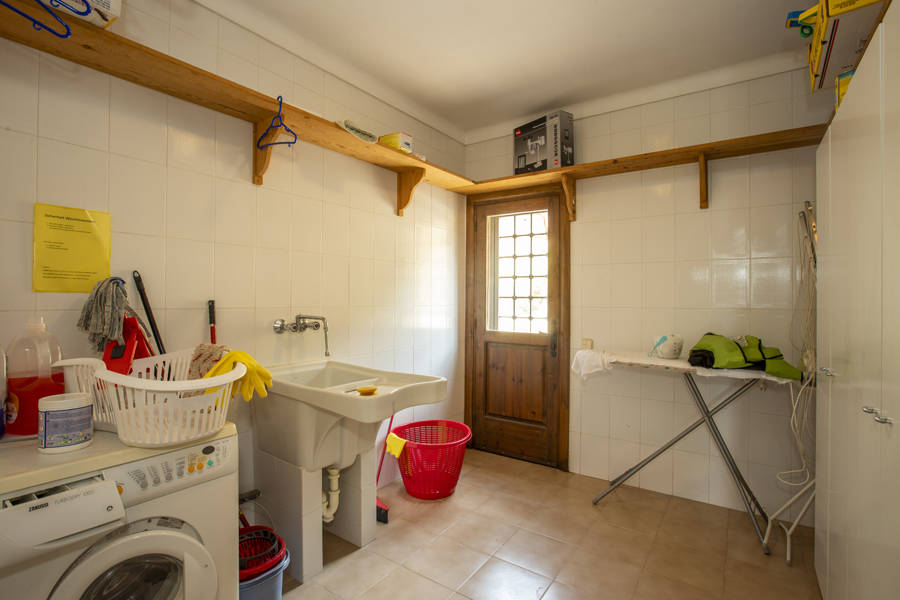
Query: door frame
{"points": [[565, 302]]}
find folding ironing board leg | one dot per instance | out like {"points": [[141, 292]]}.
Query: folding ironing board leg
{"points": [[744, 490], [627, 474]]}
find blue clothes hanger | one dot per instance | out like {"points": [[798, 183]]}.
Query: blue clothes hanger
{"points": [[277, 122], [63, 4], [38, 25]]}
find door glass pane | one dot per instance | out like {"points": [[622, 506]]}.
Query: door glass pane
{"points": [[523, 287], [523, 307], [518, 264], [523, 266], [523, 245], [523, 224], [147, 577]]}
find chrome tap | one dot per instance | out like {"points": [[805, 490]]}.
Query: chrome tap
{"points": [[302, 323]]}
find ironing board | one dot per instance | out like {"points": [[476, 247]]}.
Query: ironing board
{"points": [[749, 377]]}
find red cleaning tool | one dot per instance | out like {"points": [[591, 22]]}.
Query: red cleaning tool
{"points": [[118, 357]]}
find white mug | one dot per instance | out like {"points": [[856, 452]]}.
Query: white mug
{"points": [[667, 346]]}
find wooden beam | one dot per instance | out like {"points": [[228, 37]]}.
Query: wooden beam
{"points": [[568, 186], [407, 181], [766, 142], [704, 181], [120, 57]]}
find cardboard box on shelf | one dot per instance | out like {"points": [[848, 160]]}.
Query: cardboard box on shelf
{"points": [[547, 142], [843, 28]]}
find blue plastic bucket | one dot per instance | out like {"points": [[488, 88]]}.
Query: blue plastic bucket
{"points": [[268, 585]]}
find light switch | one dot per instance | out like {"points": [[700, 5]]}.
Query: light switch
{"points": [[587, 344]]}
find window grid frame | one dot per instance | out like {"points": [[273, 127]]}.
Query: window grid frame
{"points": [[493, 317]]}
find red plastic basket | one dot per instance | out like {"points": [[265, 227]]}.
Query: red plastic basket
{"points": [[260, 549], [432, 457]]}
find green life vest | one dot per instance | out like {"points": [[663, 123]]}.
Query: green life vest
{"points": [[715, 351]]}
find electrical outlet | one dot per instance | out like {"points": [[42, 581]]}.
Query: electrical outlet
{"points": [[587, 344]]}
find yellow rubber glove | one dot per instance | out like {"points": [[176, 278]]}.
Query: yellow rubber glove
{"points": [[257, 378], [394, 444]]}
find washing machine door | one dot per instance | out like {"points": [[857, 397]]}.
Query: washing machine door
{"points": [[162, 558]]}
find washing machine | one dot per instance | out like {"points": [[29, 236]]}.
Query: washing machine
{"points": [[114, 522]]}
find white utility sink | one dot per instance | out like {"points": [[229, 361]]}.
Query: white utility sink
{"points": [[315, 418]]}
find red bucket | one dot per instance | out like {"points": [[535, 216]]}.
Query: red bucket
{"points": [[432, 457], [259, 549]]}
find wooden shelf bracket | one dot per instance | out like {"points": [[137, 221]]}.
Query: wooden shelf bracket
{"points": [[407, 180], [260, 157], [704, 181], [568, 186]]}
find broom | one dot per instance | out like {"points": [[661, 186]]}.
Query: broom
{"points": [[381, 509]]}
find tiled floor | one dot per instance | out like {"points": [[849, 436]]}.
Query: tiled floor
{"points": [[518, 531]]}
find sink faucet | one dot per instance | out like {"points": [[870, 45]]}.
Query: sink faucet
{"points": [[302, 323]]}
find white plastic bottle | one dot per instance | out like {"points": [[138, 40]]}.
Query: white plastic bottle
{"points": [[30, 377]]}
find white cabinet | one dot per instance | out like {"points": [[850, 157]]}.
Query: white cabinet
{"points": [[858, 493], [888, 529]]}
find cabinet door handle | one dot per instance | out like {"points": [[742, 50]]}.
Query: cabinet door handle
{"points": [[827, 372], [883, 420], [870, 410]]}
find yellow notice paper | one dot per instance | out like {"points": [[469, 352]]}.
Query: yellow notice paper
{"points": [[71, 248]]}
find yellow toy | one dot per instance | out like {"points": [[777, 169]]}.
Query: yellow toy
{"points": [[805, 20]]}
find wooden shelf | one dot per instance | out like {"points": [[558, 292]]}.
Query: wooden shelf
{"points": [[118, 56], [126, 59], [754, 144]]}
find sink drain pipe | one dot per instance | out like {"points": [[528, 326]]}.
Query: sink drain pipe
{"points": [[331, 499]]}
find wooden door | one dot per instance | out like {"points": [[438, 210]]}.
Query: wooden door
{"points": [[518, 313]]}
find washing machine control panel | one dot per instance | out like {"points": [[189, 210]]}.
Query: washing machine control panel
{"points": [[167, 473]]}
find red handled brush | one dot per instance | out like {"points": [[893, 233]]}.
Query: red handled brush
{"points": [[212, 321]]}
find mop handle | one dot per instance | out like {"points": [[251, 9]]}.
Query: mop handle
{"points": [[139, 284], [383, 451]]}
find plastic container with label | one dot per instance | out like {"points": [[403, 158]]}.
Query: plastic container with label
{"points": [[65, 422], [30, 376]]}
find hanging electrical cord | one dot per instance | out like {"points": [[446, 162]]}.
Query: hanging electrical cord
{"points": [[803, 339]]}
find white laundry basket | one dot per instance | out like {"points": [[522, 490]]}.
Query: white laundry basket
{"points": [[79, 376], [155, 405]]}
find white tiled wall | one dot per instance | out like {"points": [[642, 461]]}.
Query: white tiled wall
{"points": [[648, 261], [319, 237], [771, 103], [194, 34]]}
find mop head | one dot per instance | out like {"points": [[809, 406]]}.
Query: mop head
{"points": [[103, 313]]}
